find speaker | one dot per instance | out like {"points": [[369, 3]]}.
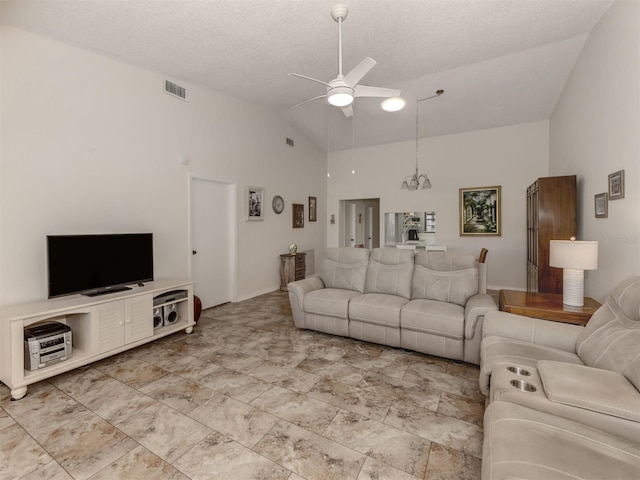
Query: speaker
{"points": [[171, 314], [158, 317]]}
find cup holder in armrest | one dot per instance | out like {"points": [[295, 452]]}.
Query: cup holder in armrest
{"points": [[522, 385], [519, 371]]}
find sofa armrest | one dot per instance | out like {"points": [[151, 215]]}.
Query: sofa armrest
{"points": [[595, 389], [475, 308], [299, 288], [558, 335]]}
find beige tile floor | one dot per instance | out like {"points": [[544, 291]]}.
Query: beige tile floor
{"points": [[249, 396]]}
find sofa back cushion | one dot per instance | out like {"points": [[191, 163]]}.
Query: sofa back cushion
{"points": [[446, 277], [611, 338], [345, 268], [390, 271]]}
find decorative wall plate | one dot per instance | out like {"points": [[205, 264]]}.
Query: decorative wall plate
{"points": [[277, 204]]}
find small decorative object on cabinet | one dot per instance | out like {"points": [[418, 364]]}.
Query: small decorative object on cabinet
{"points": [[551, 215], [292, 267], [293, 249]]}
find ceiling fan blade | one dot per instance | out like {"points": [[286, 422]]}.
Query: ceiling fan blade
{"points": [[348, 110], [366, 91], [354, 76], [309, 78], [308, 101]]}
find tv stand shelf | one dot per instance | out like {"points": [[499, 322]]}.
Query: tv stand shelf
{"points": [[101, 327]]}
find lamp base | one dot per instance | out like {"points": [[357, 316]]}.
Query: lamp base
{"points": [[573, 287]]}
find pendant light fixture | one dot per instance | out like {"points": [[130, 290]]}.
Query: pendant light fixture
{"points": [[416, 180]]}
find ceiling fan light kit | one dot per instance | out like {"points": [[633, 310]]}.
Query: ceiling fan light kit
{"points": [[340, 96], [342, 90]]}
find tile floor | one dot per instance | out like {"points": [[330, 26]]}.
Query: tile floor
{"points": [[249, 396]]}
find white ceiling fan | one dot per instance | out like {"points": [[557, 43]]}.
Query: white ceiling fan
{"points": [[342, 89]]}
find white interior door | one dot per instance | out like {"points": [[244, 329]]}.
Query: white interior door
{"points": [[350, 224], [368, 225], [212, 237]]}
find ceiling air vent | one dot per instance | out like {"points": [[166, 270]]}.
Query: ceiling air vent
{"points": [[289, 141], [175, 90]]}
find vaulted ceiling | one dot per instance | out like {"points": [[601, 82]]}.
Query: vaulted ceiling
{"points": [[500, 62]]}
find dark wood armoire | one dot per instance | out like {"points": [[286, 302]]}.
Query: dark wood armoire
{"points": [[551, 215]]}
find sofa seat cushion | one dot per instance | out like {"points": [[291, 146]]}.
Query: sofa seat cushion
{"points": [[331, 302], [523, 443], [377, 308], [495, 350], [433, 317]]}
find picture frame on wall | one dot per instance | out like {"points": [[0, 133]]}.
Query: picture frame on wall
{"points": [[601, 205], [298, 215], [480, 211], [616, 185], [254, 203], [313, 203]]}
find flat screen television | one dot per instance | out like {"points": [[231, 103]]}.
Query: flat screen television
{"points": [[98, 264]]}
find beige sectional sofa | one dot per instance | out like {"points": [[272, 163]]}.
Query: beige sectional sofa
{"points": [[564, 400], [431, 302]]}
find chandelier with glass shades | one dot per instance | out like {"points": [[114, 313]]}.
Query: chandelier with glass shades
{"points": [[416, 180]]}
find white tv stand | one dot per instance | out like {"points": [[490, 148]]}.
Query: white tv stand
{"points": [[101, 326]]}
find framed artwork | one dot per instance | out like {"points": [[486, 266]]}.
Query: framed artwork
{"points": [[616, 185], [601, 205], [313, 215], [298, 215], [254, 203], [480, 211]]}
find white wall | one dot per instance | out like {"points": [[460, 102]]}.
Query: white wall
{"points": [[512, 157], [91, 145], [595, 131]]}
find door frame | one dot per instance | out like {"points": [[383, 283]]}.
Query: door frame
{"points": [[232, 229]]}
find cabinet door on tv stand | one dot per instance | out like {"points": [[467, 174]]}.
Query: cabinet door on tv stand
{"points": [[138, 322], [108, 322]]}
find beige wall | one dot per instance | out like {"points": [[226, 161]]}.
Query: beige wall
{"points": [[91, 145], [512, 157], [595, 131]]}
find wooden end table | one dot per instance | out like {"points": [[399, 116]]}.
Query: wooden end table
{"points": [[547, 306]]}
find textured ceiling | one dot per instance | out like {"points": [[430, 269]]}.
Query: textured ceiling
{"points": [[500, 62]]}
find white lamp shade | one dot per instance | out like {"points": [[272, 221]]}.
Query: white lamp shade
{"points": [[575, 255]]}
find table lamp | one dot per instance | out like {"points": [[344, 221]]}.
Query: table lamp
{"points": [[574, 257]]}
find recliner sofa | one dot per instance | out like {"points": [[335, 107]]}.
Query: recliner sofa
{"points": [[564, 400], [431, 302]]}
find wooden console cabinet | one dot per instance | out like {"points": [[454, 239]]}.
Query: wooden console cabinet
{"points": [[292, 267], [100, 326]]}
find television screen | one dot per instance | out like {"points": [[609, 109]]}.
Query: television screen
{"points": [[96, 264]]}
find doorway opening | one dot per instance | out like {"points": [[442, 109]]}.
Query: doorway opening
{"points": [[360, 225]]}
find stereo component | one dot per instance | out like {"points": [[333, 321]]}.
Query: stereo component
{"points": [[172, 296], [171, 314], [158, 317], [46, 343]]}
